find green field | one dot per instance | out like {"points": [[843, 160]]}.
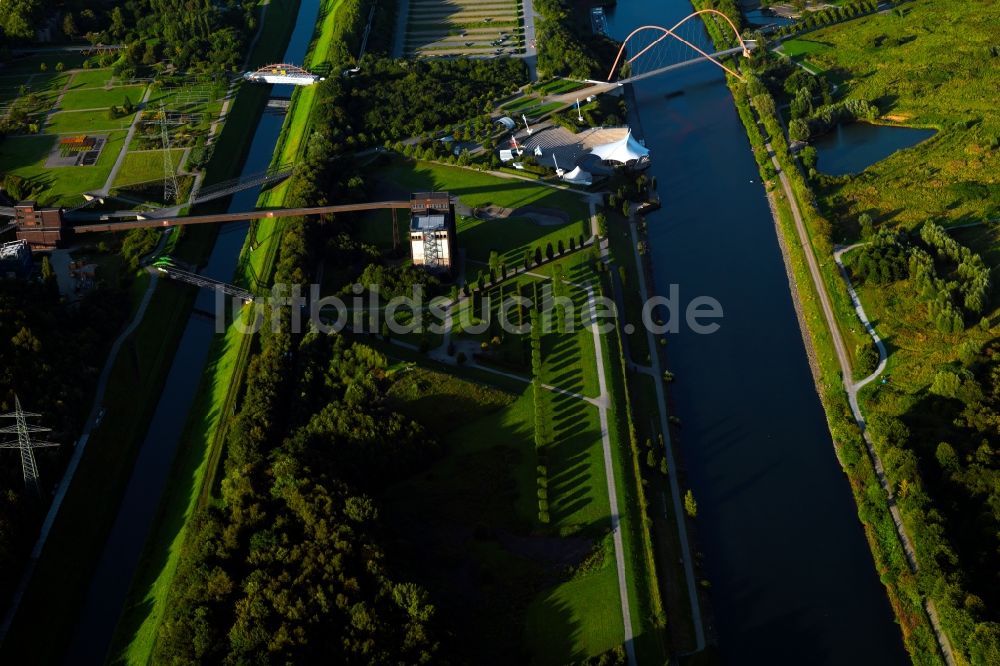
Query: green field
{"points": [[489, 478], [478, 189], [794, 48], [100, 98], [84, 122], [25, 156], [145, 166], [559, 87]]}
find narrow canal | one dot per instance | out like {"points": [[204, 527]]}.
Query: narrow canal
{"points": [[110, 583], [792, 579]]}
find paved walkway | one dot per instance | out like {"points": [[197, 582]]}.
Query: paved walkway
{"points": [[128, 140], [853, 387], [675, 491]]}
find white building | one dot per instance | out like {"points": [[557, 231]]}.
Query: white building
{"points": [[432, 230]]}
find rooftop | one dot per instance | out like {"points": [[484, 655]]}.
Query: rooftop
{"points": [[427, 223]]}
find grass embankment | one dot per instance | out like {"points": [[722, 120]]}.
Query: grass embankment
{"points": [[199, 453]]}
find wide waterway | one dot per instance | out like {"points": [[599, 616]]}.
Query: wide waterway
{"points": [[792, 578], [110, 583]]}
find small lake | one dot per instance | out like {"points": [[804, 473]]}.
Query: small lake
{"points": [[854, 147]]}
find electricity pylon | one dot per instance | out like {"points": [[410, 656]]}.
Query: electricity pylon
{"points": [[25, 444], [169, 172]]}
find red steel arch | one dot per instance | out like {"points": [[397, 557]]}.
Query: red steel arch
{"points": [[282, 68], [669, 32]]}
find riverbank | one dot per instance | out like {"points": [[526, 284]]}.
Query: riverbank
{"points": [[821, 326], [201, 446], [134, 389]]}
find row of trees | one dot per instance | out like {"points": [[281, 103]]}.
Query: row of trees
{"points": [[972, 271], [826, 16], [825, 118]]}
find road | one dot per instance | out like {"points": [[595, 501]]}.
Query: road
{"points": [[853, 387]]}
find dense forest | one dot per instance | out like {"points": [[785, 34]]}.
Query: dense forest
{"points": [[941, 453], [189, 35], [566, 43], [391, 100], [292, 568]]}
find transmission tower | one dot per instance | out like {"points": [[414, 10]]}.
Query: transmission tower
{"points": [[25, 444], [169, 173]]}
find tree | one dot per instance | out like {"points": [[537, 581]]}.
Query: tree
{"points": [[602, 226], [690, 505], [549, 252], [69, 25], [48, 275], [538, 255], [798, 130], [946, 384], [867, 225]]}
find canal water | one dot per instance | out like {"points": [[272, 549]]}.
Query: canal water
{"points": [[110, 582], [854, 147], [792, 579]]}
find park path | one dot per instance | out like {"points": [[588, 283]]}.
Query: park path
{"points": [[680, 518], [120, 160], [852, 387], [602, 402]]}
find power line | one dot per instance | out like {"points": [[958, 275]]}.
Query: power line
{"points": [[26, 444]]}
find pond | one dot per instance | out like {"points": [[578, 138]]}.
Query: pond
{"points": [[854, 147]]}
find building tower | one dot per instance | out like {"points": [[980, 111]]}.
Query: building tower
{"points": [[25, 444]]}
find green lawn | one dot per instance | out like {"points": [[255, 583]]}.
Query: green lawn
{"points": [[521, 103], [26, 155], [512, 236], [100, 98], [84, 122], [89, 78], [488, 478], [559, 87], [145, 166], [795, 48]]}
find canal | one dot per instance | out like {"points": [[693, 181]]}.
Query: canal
{"points": [[110, 582], [792, 578]]}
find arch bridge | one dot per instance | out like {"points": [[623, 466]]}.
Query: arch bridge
{"points": [[283, 73], [646, 39]]}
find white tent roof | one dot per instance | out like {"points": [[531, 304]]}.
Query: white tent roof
{"points": [[506, 122], [578, 175], [624, 150]]}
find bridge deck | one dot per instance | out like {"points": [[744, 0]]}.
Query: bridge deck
{"points": [[239, 217]]}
